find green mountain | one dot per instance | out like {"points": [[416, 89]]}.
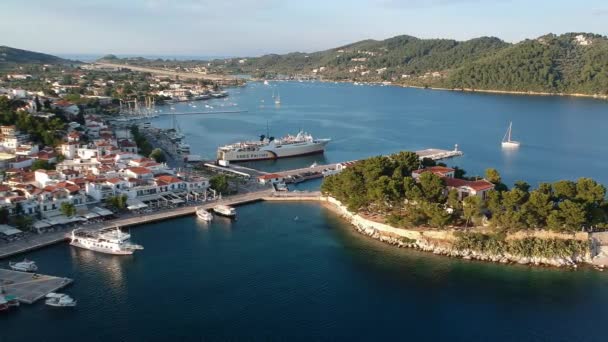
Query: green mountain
{"points": [[18, 56], [569, 63]]}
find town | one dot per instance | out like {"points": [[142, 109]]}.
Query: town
{"points": [[66, 159]]}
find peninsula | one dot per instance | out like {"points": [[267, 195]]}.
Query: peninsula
{"points": [[438, 209]]}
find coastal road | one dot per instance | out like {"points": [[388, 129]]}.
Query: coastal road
{"points": [[167, 72]]}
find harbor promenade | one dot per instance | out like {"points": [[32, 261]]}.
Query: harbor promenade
{"points": [[131, 220]]}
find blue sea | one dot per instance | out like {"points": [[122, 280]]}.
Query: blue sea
{"points": [[270, 276]]}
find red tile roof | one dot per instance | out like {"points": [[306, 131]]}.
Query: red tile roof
{"points": [[478, 185], [139, 170]]}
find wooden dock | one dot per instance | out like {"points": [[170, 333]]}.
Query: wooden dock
{"points": [[29, 287]]}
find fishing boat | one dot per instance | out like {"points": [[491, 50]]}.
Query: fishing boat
{"points": [[225, 210], [204, 215], [23, 266], [507, 142], [59, 300]]}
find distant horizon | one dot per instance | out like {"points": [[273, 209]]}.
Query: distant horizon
{"points": [[250, 28], [89, 56]]}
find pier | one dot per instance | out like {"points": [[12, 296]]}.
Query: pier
{"points": [[30, 287]]}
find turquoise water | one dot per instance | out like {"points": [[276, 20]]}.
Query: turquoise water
{"points": [[562, 137], [270, 277]]}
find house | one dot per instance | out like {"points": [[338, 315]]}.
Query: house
{"points": [[66, 106], [440, 171], [270, 178], [467, 188], [138, 172]]}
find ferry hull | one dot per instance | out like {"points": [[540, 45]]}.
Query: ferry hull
{"points": [[274, 153]]}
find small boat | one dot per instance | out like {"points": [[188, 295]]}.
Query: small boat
{"points": [[204, 215], [277, 99], [11, 300], [59, 300], [225, 210], [265, 82], [506, 140], [314, 165], [23, 266], [3, 304]]}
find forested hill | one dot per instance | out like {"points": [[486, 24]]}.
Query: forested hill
{"points": [[568, 63], [18, 56]]}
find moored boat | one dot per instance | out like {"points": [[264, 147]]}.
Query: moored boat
{"points": [[271, 148], [204, 215], [23, 266], [109, 241], [225, 210], [59, 300], [506, 140]]}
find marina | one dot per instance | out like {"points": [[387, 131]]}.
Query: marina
{"points": [[28, 288]]}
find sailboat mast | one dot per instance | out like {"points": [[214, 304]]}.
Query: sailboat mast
{"points": [[510, 126]]}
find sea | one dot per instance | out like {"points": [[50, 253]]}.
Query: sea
{"points": [[297, 271]]}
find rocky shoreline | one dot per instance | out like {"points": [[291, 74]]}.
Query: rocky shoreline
{"points": [[414, 239]]}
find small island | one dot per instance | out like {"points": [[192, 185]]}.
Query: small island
{"points": [[407, 202]]}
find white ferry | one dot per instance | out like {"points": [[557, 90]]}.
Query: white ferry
{"points": [[270, 148], [204, 215], [224, 210], [109, 241]]}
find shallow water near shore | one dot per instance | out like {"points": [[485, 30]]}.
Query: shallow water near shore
{"points": [[272, 276]]}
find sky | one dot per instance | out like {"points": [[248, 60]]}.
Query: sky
{"points": [[256, 27]]}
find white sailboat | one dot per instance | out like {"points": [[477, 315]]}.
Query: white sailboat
{"points": [[506, 140], [277, 99]]}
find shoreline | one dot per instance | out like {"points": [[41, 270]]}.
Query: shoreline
{"points": [[508, 92], [462, 90], [439, 242]]}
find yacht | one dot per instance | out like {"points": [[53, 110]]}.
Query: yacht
{"points": [[59, 300], [506, 140], [224, 210], [204, 215], [23, 266], [108, 240]]}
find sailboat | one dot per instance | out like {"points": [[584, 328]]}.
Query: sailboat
{"points": [[277, 99], [506, 140]]}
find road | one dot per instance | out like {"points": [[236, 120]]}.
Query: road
{"points": [[167, 72]]}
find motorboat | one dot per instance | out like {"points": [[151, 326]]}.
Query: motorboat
{"points": [[225, 210], [59, 300], [204, 215], [23, 266]]}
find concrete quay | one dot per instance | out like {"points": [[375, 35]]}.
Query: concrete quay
{"points": [[43, 240], [29, 287]]}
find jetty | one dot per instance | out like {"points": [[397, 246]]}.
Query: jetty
{"points": [[30, 287]]}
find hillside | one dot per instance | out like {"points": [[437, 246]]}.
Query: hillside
{"points": [[17, 56], [569, 63]]}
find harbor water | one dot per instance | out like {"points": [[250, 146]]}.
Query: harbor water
{"points": [[561, 137], [297, 271]]}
